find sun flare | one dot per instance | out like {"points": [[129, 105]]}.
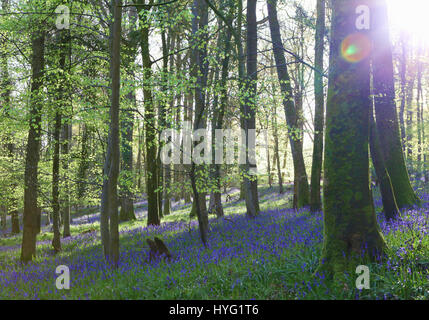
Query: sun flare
{"points": [[410, 16]]}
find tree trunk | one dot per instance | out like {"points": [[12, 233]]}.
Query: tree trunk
{"points": [[385, 108], [127, 125], [83, 163], [15, 220], [316, 169], [350, 224], [200, 73], [276, 150], [28, 250], [127, 203], [409, 106], [109, 201], [267, 150], [301, 180], [390, 207], [3, 218], [56, 241], [419, 113], [247, 112], [115, 74], [67, 135], [403, 74], [153, 216], [222, 98], [6, 83], [139, 158]]}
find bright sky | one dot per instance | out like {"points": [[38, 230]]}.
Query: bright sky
{"points": [[411, 16]]}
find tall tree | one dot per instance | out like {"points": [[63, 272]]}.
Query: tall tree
{"points": [[403, 76], [199, 72], [66, 209], [153, 216], [127, 123], [56, 241], [385, 107], [350, 225], [302, 189], [109, 201], [316, 169], [219, 105], [31, 212], [6, 83], [390, 207], [248, 111], [276, 149]]}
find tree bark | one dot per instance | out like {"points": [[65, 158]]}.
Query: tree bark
{"points": [[247, 112], [109, 202], [153, 216], [385, 108], [390, 207], [350, 225], [316, 169], [66, 209], [126, 212], [12, 201], [200, 73], [276, 150], [31, 212], [3, 218], [127, 124], [403, 75], [56, 241], [267, 150], [301, 180]]}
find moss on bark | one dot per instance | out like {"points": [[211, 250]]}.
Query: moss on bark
{"points": [[351, 230]]}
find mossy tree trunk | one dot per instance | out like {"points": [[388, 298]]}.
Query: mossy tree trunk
{"points": [[350, 226], [385, 107], [390, 207]]}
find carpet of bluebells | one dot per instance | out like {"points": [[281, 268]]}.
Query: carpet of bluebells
{"points": [[273, 256]]}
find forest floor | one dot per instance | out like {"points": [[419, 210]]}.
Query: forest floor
{"points": [[273, 256]]}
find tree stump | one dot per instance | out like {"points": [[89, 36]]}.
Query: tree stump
{"points": [[158, 249]]}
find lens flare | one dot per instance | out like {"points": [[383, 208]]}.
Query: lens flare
{"points": [[355, 47]]}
